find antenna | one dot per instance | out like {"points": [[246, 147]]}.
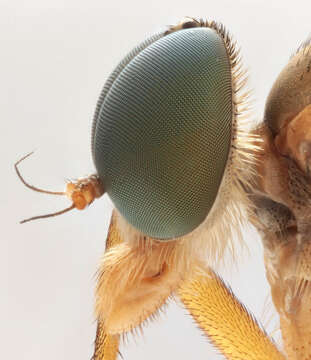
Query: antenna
{"points": [[82, 192]]}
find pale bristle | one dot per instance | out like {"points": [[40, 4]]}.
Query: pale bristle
{"points": [[127, 292], [303, 49], [230, 209]]}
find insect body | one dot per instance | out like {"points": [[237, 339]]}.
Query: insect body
{"points": [[171, 149], [283, 199]]}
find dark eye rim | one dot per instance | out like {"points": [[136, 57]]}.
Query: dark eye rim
{"points": [[189, 24]]}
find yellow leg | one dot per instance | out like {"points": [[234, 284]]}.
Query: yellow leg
{"points": [[107, 346], [230, 327]]}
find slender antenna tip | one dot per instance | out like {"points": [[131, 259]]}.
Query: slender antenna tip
{"points": [[57, 213], [23, 158], [34, 188]]}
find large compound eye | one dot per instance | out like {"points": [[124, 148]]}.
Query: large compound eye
{"points": [[163, 131]]}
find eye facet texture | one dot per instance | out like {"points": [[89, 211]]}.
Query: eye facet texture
{"points": [[162, 134]]}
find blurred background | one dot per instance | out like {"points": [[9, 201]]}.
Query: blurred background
{"points": [[55, 57]]}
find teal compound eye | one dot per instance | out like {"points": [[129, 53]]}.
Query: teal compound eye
{"points": [[163, 131]]}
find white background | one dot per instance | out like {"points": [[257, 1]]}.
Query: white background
{"points": [[54, 58]]}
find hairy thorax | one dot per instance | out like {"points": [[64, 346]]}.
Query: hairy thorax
{"points": [[282, 202]]}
